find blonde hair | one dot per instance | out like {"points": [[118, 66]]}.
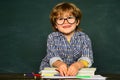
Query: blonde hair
{"points": [[63, 7]]}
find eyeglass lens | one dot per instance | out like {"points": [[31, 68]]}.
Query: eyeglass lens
{"points": [[70, 20]]}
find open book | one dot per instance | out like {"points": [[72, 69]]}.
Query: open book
{"points": [[82, 72]]}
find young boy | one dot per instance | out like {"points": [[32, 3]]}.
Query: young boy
{"points": [[68, 48]]}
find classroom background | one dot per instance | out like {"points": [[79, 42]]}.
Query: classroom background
{"points": [[25, 25]]}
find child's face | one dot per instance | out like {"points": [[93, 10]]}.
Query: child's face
{"points": [[66, 23]]}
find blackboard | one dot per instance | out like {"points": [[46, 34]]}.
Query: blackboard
{"points": [[24, 26]]}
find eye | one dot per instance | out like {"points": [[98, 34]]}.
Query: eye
{"points": [[71, 17], [60, 18]]}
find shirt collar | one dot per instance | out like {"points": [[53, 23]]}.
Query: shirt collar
{"points": [[77, 33]]}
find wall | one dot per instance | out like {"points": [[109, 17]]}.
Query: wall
{"points": [[24, 26]]}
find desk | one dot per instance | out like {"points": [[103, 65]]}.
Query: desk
{"points": [[112, 76], [20, 76]]}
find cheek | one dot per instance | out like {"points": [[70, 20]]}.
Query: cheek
{"points": [[74, 25], [58, 26]]}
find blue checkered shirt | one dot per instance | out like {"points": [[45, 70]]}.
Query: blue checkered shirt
{"points": [[58, 48]]}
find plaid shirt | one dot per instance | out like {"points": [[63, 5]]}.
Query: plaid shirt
{"points": [[58, 48]]}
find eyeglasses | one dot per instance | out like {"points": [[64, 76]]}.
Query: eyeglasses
{"points": [[70, 20]]}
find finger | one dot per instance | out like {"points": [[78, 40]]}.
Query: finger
{"points": [[61, 73], [69, 71], [64, 69], [74, 72], [65, 72], [57, 70]]}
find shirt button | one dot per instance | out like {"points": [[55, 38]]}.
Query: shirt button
{"points": [[68, 56]]}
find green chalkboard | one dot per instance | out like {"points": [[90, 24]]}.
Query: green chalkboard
{"points": [[25, 25]]}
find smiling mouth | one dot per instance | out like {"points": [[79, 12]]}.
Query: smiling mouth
{"points": [[67, 26]]}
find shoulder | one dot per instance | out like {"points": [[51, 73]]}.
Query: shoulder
{"points": [[82, 35], [54, 34]]}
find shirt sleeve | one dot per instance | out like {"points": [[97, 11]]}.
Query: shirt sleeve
{"points": [[87, 53], [52, 60], [52, 51]]}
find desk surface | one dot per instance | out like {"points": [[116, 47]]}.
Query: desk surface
{"points": [[20, 76]]}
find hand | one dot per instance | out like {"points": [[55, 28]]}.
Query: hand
{"points": [[74, 68], [61, 67]]}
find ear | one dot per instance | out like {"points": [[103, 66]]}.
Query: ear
{"points": [[78, 22], [56, 27]]}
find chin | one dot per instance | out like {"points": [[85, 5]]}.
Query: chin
{"points": [[67, 33]]}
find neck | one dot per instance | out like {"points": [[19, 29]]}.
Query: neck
{"points": [[68, 36]]}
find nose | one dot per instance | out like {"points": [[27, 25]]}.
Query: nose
{"points": [[65, 21]]}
